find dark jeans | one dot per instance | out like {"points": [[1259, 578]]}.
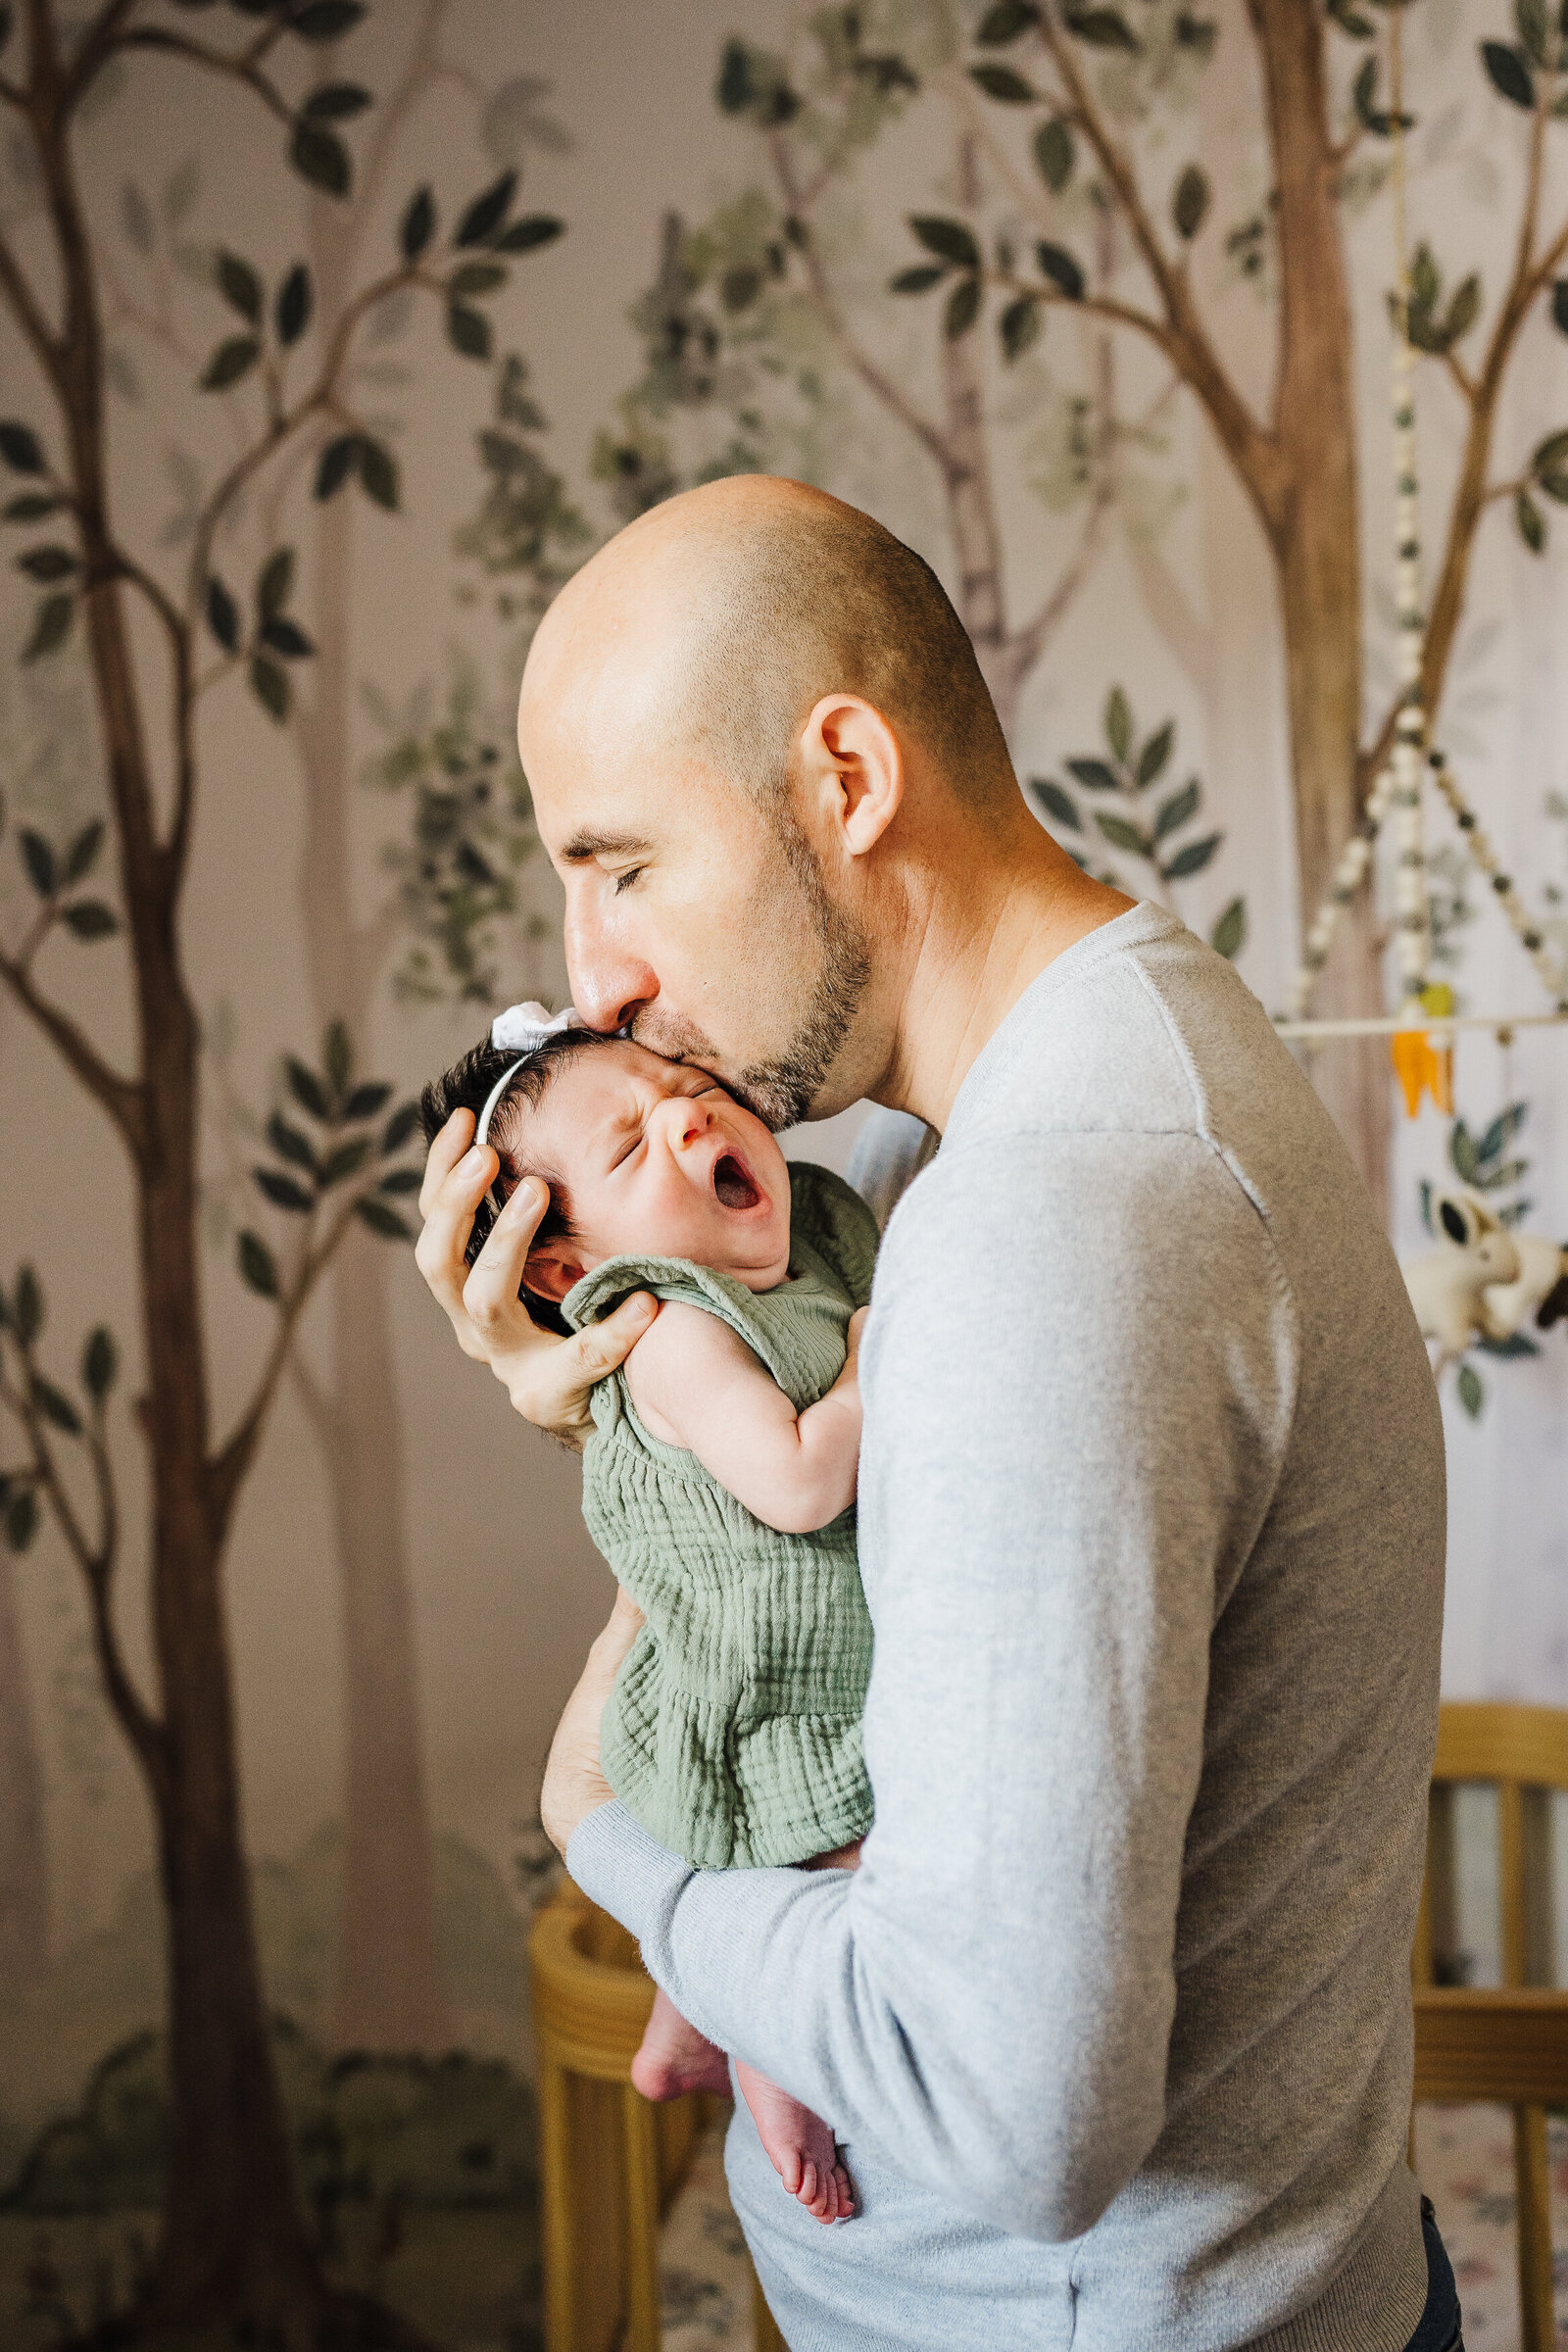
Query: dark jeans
{"points": [[1438, 2331]]}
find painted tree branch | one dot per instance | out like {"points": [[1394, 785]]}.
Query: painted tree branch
{"points": [[226, 1468], [1188, 346], [242, 65], [95, 1561], [120, 1097]]}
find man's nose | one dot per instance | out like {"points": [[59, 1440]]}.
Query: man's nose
{"points": [[610, 987]]}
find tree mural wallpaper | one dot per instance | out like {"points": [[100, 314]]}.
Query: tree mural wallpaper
{"points": [[334, 339]]}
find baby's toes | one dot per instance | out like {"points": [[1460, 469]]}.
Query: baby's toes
{"points": [[844, 2194]]}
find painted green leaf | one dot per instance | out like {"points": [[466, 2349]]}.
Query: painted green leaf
{"points": [[1095, 775], [235, 357], [1019, 325], [399, 1127], [240, 286], [326, 20], [1153, 759], [284, 636], [1103, 29], [337, 462], [1552, 453], [100, 1363], [1516, 1345], [949, 239], [292, 310], [468, 331], [1363, 90], [1463, 311], [1559, 305], [18, 446], [1122, 835], [1199, 33], [306, 1088], [418, 224], [478, 277], [1472, 1395], [533, 229], [486, 213], [90, 920], [1349, 20], [55, 1405], [51, 626], [1508, 73], [283, 1191], [22, 1518], [1003, 84], [82, 855], [222, 615], [336, 102], [1531, 523], [26, 1306], [1178, 811], [1229, 935], [1555, 487], [1193, 859], [32, 505], [964, 308], [47, 563], [1190, 203], [1502, 1178], [918, 281], [1004, 20], [1056, 803], [1118, 723], [378, 472], [257, 1265], [400, 1180], [383, 1219], [288, 1143], [320, 157], [1063, 271], [337, 1055], [734, 90], [1462, 1152], [346, 1160], [38, 857], [1054, 153], [1532, 22], [273, 582], [269, 686], [366, 1101]]}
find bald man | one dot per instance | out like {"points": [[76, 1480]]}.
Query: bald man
{"points": [[1113, 2022]]}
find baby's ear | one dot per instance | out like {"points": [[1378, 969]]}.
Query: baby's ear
{"points": [[551, 1270]]}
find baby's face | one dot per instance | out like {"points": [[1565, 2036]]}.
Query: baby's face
{"points": [[657, 1161]]}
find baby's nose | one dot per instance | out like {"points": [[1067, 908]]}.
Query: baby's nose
{"points": [[691, 1121]]}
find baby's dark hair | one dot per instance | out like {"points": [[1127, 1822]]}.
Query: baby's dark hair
{"points": [[468, 1085]]}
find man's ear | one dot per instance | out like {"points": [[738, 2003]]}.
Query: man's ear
{"points": [[551, 1270], [849, 751]]}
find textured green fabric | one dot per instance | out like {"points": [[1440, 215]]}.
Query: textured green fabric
{"points": [[733, 1733]]}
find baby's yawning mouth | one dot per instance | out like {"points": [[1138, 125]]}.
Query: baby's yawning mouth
{"points": [[734, 1188]]}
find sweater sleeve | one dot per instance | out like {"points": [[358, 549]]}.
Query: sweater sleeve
{"points": [[1074, 1421]]}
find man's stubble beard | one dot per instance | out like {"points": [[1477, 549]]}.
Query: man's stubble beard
{"points": [[782, 1088]]}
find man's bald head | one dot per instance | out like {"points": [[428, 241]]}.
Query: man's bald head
{"points": [[753, 598]]}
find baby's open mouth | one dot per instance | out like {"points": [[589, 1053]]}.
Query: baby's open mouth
{"points": [[734, 1188]]}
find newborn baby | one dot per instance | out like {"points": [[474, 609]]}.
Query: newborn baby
{"points": [[720, 1481]]}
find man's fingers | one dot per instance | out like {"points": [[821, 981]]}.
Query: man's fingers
{"points": [[444, 1154], [602, 1346], [490, 1293]]}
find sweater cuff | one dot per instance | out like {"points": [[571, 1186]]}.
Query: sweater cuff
{"points": [[623, 1869]]}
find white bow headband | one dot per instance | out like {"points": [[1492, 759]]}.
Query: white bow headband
{"points": [[522, 1029]]}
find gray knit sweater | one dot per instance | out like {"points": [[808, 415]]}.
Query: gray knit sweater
{"points": [[1114, 2020]]}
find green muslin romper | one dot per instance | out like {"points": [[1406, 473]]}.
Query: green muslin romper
{"points": [[733, 1733]]}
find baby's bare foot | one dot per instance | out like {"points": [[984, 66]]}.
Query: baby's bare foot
{"points": [[800, 2147], [675, 2058]]}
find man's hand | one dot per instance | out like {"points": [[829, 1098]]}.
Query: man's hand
{"points": [[574, 1785], [547, 1378]]}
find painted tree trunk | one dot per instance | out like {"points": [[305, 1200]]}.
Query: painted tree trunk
{"points": [[388, 1992], [234, 2243], [1312, 520], [24, 1853]]}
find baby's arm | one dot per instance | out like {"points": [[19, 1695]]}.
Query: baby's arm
{"points": [[695, 1382]]}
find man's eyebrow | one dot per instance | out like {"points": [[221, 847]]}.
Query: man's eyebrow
{"points": [[587, 844]]}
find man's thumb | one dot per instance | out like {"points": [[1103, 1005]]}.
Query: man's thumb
{"points": [[610, 1342]]}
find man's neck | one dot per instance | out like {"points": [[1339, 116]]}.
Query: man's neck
{"points": [[986, 937]]}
